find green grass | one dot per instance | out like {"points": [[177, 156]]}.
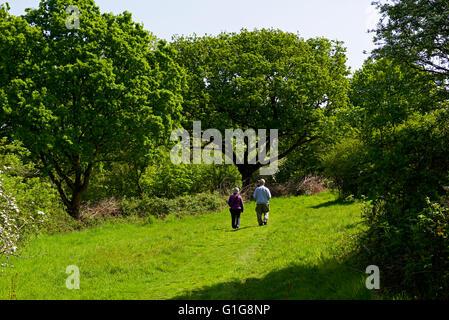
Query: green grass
{"points": [[201, 257]]}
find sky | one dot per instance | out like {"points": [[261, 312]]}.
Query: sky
{"points": [[343, 20]]}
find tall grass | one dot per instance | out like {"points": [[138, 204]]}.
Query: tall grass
{"points": [[296, 256]]}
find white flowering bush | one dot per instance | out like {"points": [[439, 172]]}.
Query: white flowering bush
{"points": [[23, 197], [25, 194], [9, 224], [14, 224]]}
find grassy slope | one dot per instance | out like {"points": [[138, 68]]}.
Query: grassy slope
{"points": [[201, 257]]}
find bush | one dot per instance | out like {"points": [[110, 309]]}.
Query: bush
{"points": [[112, 180], [430, 268], [168, 180], [301, 162], [309, 185], [26, 200], [14, 223], [161, 179], [32, 193], [344, 164], [411, 248], [407, 232], [181, 206]]}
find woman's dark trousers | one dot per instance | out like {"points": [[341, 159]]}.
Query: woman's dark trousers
{"points": [[235, 218]]}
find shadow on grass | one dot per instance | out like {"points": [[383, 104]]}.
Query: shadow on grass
{"points": [[337, 202], [328, 280], [241, 228], [229, 229]]}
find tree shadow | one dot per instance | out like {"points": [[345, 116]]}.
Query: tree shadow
{"points": [[329, 280], [337, 202]]}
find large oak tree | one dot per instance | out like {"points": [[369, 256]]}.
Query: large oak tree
{"points": [[263, 79], [76, 97]]}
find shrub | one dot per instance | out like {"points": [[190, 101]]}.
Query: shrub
{"points": [[31, 193], [161, 179], [112, 180], [410, 247], [309, 185], [407, 232], [344, 164], [9, 223], [181, 206], [15, 224], [430, 268], [168, 180]]}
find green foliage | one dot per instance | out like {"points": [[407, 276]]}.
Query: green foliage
{"points": [[430, 268], [412, 163], [76, 97], [389, 104], [416, 32], [405, 166], [406, 232], [345, 163], [117, 179], [40, 208], [397, 158], [181, 206], [300, 163], [161, 178], [170, 180], [307, 159], [411, 247], [263, 79], [385, 94], [35, 198]]}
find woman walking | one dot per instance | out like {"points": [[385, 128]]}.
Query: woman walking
{"points": [[235, 203]]}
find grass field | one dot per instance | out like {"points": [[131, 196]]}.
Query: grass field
{"points": [[201, 257]]}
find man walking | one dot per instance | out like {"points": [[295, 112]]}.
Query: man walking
{"points": [[262, 195]]}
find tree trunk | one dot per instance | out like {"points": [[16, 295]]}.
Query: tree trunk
{"points": [[247, 171], [75, 204], [78, 186]]}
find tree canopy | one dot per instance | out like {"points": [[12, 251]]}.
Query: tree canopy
{"points": [[415, 32], [263, 79], [384, 94], [78, 96]]}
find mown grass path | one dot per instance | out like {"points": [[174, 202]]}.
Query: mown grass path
{"points": [[201, 257]]}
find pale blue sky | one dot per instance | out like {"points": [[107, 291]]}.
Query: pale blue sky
{"points": [[344, 20]]}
